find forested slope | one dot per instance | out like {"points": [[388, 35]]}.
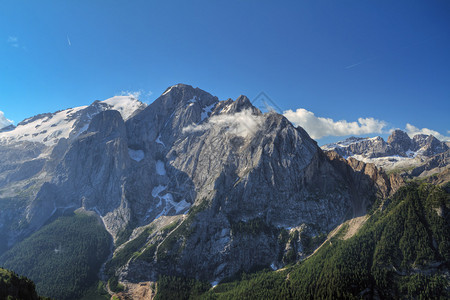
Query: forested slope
{"points": [[62, 258]]}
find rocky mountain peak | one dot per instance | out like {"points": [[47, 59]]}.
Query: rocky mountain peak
{"points": [[242, 103], [181, 94], [400, 141], [429, 145], [163, 121]]}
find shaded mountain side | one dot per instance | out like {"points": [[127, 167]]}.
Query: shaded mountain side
{"points": [[64, 257], [401, 252], [17, 288], [366, 178]]}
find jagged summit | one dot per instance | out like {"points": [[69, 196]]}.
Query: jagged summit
{"points": [[400, 141]]}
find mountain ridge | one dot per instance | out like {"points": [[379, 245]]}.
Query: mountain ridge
{"points": [[419, 157]]}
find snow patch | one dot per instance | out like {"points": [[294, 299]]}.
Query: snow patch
{"points": [[193, 100], [136, 155], [392, 162], [182, 205], [158, 189], [168, 202], [206, 111], [46, 130], [125, 105], [160, 169], [158, 140]]}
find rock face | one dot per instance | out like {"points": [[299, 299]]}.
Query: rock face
{"points": [[233, 180], [45, 161], [400, 142], [7, 128]]}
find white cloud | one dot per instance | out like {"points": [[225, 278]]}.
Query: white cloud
{"points": [[141, 95], [13, 41], [135, 94], [412, 130], [242, 124], [4, 121], [319, 127]]}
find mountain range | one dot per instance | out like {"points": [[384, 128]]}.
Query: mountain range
{"points": [[189, 187], [419, 157]]}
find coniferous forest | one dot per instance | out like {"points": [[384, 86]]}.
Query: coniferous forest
{"points": [[70, 251]]}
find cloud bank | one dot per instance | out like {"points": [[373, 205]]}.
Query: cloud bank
{"points": [[319, 127], [242, 124], [412, 130], [4, 121]]}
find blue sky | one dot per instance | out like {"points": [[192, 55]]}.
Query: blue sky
{"points": [[386, 62]]}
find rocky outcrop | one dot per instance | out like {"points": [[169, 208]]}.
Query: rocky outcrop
{"points": [[367, 175]]}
